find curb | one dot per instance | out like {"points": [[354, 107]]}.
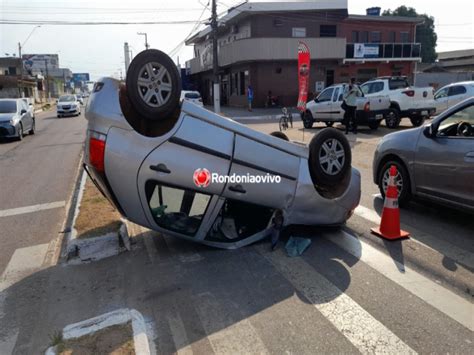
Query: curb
{"points": [[120, 316]]}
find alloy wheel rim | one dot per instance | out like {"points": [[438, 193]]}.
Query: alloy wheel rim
{"points": [[154, 84], [398, 181], [332, 156]]}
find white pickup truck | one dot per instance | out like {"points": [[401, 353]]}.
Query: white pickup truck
{"points": [[327, 108], [405, 101]]}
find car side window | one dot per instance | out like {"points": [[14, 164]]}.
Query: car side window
{"points": [[441, 93], [326, 95], [456, 90], [460, 123], [366, 88], [376, 87], [336, 94], [177, 209]]}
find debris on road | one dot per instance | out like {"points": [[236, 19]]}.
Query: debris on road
{"points": [[296, 246]]}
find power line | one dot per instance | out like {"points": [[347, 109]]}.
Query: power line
{"points": [[92, 23]]}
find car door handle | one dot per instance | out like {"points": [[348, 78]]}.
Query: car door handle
{"points": [[161, 168], [237, 188], [469, 157]]}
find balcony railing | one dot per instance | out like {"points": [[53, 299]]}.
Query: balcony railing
{"points": [[383, 50]]}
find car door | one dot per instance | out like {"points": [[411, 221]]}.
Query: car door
{"points": [[441, 100], [25, 115], [323, 107], [456, 94], [175, 181], [444, 164], [337, 113]]}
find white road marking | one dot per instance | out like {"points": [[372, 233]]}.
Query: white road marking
{"points": [[435, 295], [178, 332], [461, 255], [364, 331], [33, 208]]}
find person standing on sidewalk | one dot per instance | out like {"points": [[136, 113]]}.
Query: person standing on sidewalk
{"points": [[350, 100], [250, 96]]}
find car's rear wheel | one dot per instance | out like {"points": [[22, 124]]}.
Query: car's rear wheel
{"points": [[280, 135], [392, 119], [153, 85], [402, 181], [20, 132], [308, 120], [374, 124], [329, 158], [329, 123]]}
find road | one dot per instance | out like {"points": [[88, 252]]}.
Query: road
{"points": [[349, 293], [36, 176]]}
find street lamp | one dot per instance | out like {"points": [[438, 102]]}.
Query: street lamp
{"points": [[146, 40]]}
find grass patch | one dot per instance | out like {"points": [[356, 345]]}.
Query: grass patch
{"points": [[96, 215], [114, 340]]}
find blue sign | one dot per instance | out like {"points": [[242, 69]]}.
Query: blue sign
{"points": [[78, 77]]}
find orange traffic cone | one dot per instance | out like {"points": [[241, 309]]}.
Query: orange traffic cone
{"points": [[390, 224]]}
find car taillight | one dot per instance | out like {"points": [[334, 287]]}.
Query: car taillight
{"points": [[367, 107], [409, 93], [97, 150]]}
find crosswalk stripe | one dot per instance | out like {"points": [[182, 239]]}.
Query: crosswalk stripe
{"points": [[435, 295], [33, 208], [365, 332]]}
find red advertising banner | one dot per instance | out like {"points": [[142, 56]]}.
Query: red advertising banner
{"points": [[303, 75]]}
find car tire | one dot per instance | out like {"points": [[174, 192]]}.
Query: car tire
{"points": [[20, 133], [59, 116], [308, 120], [404, 194], [392, 119], [33, 128], [329, 123], [374, 124], [417, 121], [330, 158], [155, 95], [280, 135]]}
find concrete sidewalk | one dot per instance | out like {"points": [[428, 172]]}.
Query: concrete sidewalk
{"points": [[243, 114]]}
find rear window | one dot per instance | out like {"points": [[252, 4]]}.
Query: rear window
{"points": [[394, 84], [192, 95], [8, 106]]}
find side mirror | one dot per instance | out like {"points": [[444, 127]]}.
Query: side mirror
{"points": [[23, 112], [316, 99], [429, 131]]}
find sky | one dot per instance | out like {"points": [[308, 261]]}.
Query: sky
{"points": [[98, 49]]}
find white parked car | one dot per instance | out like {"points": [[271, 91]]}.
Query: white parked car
{"points": [[68, 106], [406, 101], [452, 94], [31, 105], [191, 96]]}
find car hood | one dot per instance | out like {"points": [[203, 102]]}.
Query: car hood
{"points": [[6, 117], [400, 142]]}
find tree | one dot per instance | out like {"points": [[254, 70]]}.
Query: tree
{"points": [[425, 32]]}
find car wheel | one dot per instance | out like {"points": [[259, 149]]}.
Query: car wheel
{"points": [[280, 135], [402, 181], [417, 121], [33, 127], [329, 123], [59, 116], [329, 158], [20, 132], [392, 119], [374, 124], [153, 85], [308, 120]]}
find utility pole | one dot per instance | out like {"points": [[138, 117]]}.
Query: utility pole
{"points": [[126, 52], [20, 91], [47, 80], [215, 64], [146, 38]]}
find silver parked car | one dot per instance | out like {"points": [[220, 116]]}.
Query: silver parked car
{"points": [[15, 119], [452, 94], [190, 173], [68, 105], [435, 161]]}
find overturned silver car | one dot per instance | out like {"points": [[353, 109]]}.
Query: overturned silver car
{"points": [[190, 173]]}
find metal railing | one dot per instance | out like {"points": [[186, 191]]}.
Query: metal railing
{"points": [[388, 50]]}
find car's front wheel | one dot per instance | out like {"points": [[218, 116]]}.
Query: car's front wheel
{"points": [[308, 120], [402, 181], [33, 127], [374, 124], [329, 123], [392, 119], [417, 121], [20, 132]]}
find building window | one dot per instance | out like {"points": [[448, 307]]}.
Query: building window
{"points": [[355, 36], [278, 22], [392, 37], [404, 37], [278, 70], [327, 31], [12, 70], [364, 37], [298, 32], [375, 37]]}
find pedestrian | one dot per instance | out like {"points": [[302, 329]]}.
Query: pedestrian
{"points": [[349, 105], [250, 96]]}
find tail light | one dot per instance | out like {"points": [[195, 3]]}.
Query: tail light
{"points": [[97, 150], [409, 93], [367, 107]]}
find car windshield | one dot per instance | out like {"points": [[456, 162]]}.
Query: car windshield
{"points": [[67, 98], [8, 106], [192, 95]]}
